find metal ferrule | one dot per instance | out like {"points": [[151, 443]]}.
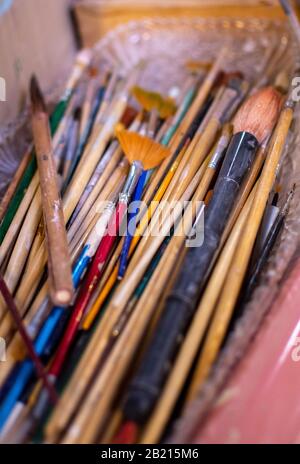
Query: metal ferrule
{"points": [[67, 94], [131, 181], [219, 151]]}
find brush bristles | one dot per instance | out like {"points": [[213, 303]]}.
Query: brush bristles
{"points": [[259, 114], [167, 108], [36, 96], [154, 101], [148, 100], [140, 148], [196, 66]]}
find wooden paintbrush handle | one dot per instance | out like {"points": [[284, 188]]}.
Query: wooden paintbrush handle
{"points": [[61, 288]]}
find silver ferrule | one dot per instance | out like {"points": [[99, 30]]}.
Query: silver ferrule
{"points": [[219, 151], [131, 181]]}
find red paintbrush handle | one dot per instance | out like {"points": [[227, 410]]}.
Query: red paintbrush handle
{"points": [[108, 240], [88, 287]]}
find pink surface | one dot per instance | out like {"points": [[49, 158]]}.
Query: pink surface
{"points": [[261, 403]]}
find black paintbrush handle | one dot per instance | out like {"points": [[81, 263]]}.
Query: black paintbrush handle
{"points": [[262, 260], [181, 303]]}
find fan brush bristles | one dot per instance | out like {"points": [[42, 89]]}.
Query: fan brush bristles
{"points": [[154, 101], [140, 148], [167, 108], [259, 114], [148, 100]]}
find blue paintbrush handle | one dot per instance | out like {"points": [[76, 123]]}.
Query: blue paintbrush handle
{"points": [[128, 239], [26, 368]]}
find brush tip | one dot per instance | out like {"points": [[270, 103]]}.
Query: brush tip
{"points": [[140, 148], [77, 113], [36, 95], [259, 113], [84, 56]]}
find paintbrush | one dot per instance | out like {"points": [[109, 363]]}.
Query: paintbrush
{"points": [[107, 98], [59, 266], [113, 312], [252, 125], [82, 263], [194, 156], [6, 326], [292, 16], [40, 406], [25, 237], [119, 172], [88, 250], [179, 115], [156, 105], [83, 58], [20, 251], [42, 340], [238, 268], [72, 140], [170, 179], [95, 149], [92, 187], [160, 191], [131, 224], [29, 345], [30, 206], [271, 238], [141, 153], [164, 108], [31, 278], [163, 271], [25, 370], [103, 174], [60, 139], [90, 95], [194, 336], [84, 136], [112, 269], [4, 204], [214, 160]]}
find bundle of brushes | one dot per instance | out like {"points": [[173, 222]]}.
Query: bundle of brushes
{"points": [[132, 236]]}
